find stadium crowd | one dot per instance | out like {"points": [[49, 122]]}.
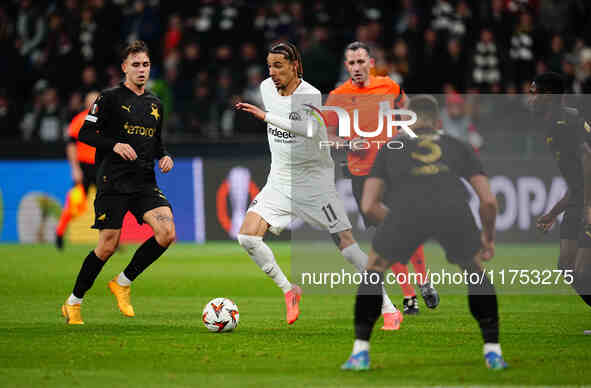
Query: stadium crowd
{"points": [[209, 54]]}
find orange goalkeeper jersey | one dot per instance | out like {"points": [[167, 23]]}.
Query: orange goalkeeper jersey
{"points": [[85, 152], [367, 102]]}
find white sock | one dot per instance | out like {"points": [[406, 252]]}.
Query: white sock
{"points": [[360, 346], [74, 300], [263, 257], [387, 305], [123, 280], [354, 255], [492, 347]]}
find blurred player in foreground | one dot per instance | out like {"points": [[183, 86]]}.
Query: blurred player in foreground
{"points": [[301, 181], [567, 136], [416, 194], [365, 93], [81, 159]]}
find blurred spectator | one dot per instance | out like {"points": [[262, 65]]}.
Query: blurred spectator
{"points": [[317, 58], [89, 81], [453, 66], [224, 98], [404, 19], [557, 53], [252, 92], [75, 106], [30, 30], [173, 34], [585, 70], [197, 121], [48, 125], [224, 59], [496, 18], [8, 118], [457, 123], [62, 60], [108, 42], [113, 76], [32, 109], [143, 23], [427, 80], [450, 22], [87, 35], [556, 15], [401, 63], [522, 49], [296, 10], [486, 69]]}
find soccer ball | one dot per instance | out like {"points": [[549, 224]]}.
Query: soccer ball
{"points": [[220, 314]]}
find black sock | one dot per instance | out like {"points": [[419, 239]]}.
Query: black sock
{"points": [[90, 269], [482, 300], [582, 285], [368, 304], [586, 299], [145, 255]]}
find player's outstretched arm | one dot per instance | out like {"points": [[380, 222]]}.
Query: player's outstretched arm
{"points": [[488, 214], [307, 128], [371, 200]]}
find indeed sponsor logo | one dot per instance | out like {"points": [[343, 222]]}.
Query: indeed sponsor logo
{"points": [[280, 133]]}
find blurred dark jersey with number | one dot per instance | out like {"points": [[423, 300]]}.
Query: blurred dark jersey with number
{"points": [[121, 116], [425, 172]]}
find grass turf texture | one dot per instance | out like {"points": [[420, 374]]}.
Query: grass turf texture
{"points": [[167, 345]]}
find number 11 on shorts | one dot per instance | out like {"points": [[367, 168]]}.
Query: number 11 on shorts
{"points": [[329, 213]]}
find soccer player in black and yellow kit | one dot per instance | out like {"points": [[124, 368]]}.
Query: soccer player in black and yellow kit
{"points": [[125, 126], [416, 194], [568, 137]]}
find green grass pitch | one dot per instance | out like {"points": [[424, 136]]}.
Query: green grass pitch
{"points": [[167, 345]]}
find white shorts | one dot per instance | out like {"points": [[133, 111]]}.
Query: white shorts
{"points": [[324, 210]]}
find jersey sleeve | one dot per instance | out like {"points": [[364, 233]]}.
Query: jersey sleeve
{"points": [[93, 132], [469, 163], [161, 150]]}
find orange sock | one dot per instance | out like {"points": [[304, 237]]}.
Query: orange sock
{"points": [[418, 262], [64, 218], [407, 290]]}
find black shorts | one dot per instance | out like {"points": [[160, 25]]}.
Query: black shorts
{"points": [[110, 207], [408, 227], [357, 183], [572, 227], [88, 175]]}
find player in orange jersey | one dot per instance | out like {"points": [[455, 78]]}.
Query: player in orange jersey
{"points": [[367, 94], [81, 159]]}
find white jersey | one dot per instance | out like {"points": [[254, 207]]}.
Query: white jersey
{"points": [[298, 164]]}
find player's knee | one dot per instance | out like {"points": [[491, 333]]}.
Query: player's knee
{"points": [[106, 250], [165, 235], [248, 242]]}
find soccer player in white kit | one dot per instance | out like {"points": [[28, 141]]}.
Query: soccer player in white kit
{"points": [[301, 180]]}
